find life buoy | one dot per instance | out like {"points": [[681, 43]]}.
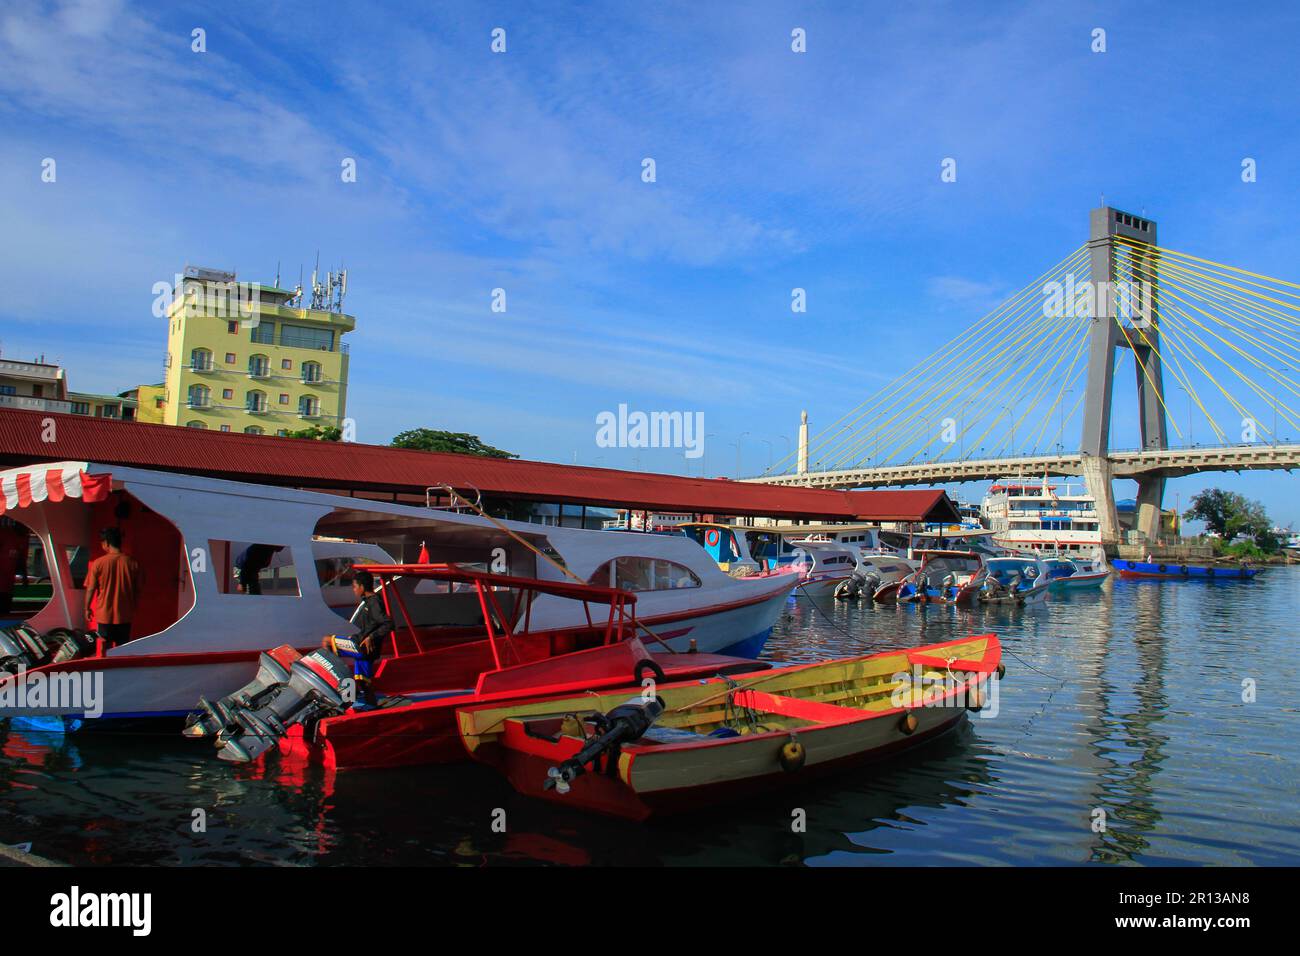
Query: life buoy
{"points": [[1182, 569], [908, 723], [1163, 569], [712, 537], [1209, 572]]}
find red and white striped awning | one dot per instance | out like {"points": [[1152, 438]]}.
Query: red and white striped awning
{"points": [[22, 487]]}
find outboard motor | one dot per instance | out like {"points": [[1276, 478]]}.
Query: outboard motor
{"points": [[287, 690], [622, 725], [859, 584], [22, 647]]}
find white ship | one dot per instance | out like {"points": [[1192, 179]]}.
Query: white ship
{"points": [[1035, 514]]}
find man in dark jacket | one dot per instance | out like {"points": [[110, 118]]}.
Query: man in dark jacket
{"points": [[374, 625]]}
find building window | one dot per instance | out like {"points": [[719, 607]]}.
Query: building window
{"points": [[225, 428], [256, 401], [78, 408], [201, 360], [302, 337], [284, 398], [286, 364], [108, 411], [308, 406], [259, 366], [311, 371], [13, 390], [227, 393], [200, 397], [264, 333], [195, 425], [230, 358], [281, 432], [232, 328], [254, 430]]}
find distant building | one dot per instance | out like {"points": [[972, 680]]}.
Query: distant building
{"points": [[122, 406], [246, 357], [35, 386]]}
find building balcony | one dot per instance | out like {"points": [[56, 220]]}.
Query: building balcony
{"points": [[33, 404]]}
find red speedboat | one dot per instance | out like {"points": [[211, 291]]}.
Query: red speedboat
{"points": [[304, 703]]}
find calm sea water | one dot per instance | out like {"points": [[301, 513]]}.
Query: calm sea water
{"points": [[1127, 701]]}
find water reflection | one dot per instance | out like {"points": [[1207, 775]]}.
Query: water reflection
{"points": [[1128, 700]]}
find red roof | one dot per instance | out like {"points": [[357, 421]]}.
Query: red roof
{"points": [[369, 470]]}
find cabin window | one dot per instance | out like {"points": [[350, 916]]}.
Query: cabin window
{"points": [[644, 574], [253, 568]]}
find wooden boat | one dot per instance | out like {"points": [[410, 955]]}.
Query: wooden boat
{"points": [[1151, 569], [505, 658], [716, 740]]}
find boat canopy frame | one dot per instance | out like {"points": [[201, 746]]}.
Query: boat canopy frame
{"points": [[622, 604]]}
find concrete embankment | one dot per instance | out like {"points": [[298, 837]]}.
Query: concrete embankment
{"points": [[12, 856]]}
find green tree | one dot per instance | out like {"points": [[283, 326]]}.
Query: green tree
{"points": [[318, 433], [460, 443], [1231, 515]]}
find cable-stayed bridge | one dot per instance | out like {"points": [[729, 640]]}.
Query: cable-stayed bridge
{"points": [[1030, 388]]}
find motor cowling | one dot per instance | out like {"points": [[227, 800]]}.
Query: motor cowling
{"points": [[622, 725], [288, 690], [22, 647]]}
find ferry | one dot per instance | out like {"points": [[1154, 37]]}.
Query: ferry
{"points": [[1028, 514], [198, 634]]}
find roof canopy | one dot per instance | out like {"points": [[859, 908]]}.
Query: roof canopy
{"points": [[374, 470]]}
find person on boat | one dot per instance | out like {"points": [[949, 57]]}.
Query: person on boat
{"points": [[374, 625], [252, 561], [113, 586]]}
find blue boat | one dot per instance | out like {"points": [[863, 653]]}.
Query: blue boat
{"points": [[1144, 569]]}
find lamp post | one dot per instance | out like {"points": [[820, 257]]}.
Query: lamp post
{"points": [[738, 443], [769, 452], [1189, 416], [1283, 368], [1060, 444], [704, 455]]}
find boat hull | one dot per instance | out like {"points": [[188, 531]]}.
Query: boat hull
{"points": [[1180, 572], [131, 686], [749, 770]]}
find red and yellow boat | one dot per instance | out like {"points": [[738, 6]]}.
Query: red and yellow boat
{"points": [[694, 744]]}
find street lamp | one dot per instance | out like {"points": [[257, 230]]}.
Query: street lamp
{"points": [[1284, 368], [704, 454], [738, 443], [769, 452], [1060, 444], [1189, 416]]}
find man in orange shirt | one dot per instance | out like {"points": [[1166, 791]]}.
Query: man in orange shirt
{"points": [[113, 585]]}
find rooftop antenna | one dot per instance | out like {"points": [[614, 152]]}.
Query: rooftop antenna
{"points": [[277, 273]]}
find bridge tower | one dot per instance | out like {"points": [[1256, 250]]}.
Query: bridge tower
{"points": [[1109, 331]]}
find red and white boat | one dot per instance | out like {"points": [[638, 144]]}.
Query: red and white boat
{"points": [[695, 744], [196, 634], [424, 678]]}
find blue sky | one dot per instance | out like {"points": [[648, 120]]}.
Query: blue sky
{"points": [[523, 171]]}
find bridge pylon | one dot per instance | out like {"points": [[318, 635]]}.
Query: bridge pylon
{"points": [[1124, 315]]}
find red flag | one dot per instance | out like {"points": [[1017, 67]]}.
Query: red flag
{"points": [[424, 555]]}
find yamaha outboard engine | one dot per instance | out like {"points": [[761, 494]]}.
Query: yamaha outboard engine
{"points": [[622, 725], [22, 647], [287, 690]]}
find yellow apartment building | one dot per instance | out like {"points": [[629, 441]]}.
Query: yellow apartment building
{"points": [[246, 357]]}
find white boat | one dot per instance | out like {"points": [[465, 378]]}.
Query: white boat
{"points": [[200, 636], [1029, 514], [1015, 580], [1070, 573], [744, 551]]}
